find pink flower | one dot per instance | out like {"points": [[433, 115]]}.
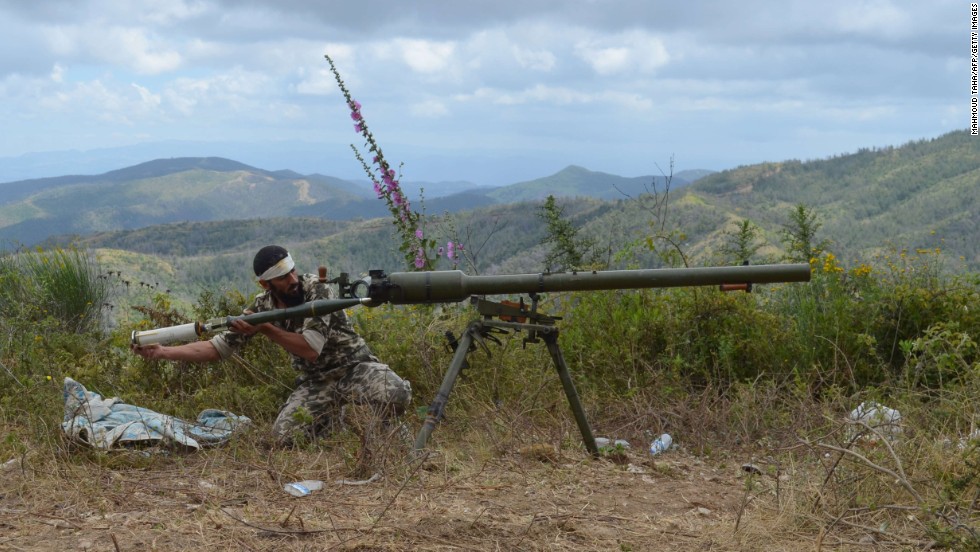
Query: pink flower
{"points": [[355, 115], [377, 189], [450, 251], [418, 234], [358, 127]]}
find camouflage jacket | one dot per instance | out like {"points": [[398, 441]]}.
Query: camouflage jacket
{"points": [[332, 334]]}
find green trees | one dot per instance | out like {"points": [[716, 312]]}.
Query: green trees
{"points": [[799, 235], [741, 243], [568, 250]]}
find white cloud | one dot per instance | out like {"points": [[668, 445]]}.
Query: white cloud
{"points": [[318, 82], [874, 18], [536, 60], [171, 11], [234, 92], [149, 99], [425, 56], [58, 73], [230, 68], [629, 52], [93, 100], [429, 109], [560, 96], [118, 46]]}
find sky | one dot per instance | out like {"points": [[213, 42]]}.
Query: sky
{"points": [[489, 92]]}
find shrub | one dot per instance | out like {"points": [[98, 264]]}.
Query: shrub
{"points": [[63, 284]]}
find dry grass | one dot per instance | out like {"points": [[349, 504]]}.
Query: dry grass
{"points": [[491, 481]]}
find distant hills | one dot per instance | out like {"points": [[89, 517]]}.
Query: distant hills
{"points": [[193, 223], [192, 189]]}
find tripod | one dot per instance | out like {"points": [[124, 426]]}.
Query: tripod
{"points": [[496, 318]]}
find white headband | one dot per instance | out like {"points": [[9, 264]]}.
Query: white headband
{"points": [[282, 268]]}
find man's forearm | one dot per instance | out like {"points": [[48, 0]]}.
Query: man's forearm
{"points": [[293, 343], [198, 351]]}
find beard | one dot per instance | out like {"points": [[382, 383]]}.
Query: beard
{"points": [[291, 297]]}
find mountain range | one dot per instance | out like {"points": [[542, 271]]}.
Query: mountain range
{"points": [[189, 223], [192, 189]]}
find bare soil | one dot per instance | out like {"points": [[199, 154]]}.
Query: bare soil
{"points": [[533, 498]]}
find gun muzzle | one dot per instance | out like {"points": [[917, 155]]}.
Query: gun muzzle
{"points": [[184, 332]]}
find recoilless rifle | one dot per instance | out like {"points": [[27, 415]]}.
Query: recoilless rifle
{"points": [[453, 286]]}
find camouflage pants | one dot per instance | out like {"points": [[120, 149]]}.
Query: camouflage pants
{"points": [[316, 405]]}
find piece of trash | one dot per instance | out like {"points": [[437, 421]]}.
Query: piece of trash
{"points": [[356, 482], [303, 488], [601, 442], [964, 442], [661, 444], [9, 464], [751, 468], [881, 418]]}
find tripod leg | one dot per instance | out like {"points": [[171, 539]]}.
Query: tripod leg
{"points": [[438, 405], [551, 340]]}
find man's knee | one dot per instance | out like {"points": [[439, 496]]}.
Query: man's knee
{"points": [[376, 383]]}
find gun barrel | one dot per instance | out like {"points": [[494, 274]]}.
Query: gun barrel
{"points": [[190, 332], [454, 285], [305, 310]]}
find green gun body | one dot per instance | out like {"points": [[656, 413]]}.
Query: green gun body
{"points": [[450, 286]]}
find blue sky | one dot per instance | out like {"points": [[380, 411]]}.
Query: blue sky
{"points": [[490, 92]]}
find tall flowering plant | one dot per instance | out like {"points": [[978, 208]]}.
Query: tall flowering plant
{"points": [[415, 245]]}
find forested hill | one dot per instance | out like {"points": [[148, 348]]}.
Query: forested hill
{"points": [[924, 194], [919, 195], [212, 189]]}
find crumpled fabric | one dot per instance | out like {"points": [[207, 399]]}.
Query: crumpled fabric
{"points": [[111, 424]]}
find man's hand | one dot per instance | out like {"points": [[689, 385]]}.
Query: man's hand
{"points": [[150, 352], [244, 328]]}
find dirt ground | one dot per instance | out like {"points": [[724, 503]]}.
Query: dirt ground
{"points": [[529, 499]]}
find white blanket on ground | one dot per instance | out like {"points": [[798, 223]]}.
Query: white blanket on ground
{"points": [[109, 423]]}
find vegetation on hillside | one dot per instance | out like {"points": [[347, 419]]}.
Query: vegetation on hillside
{"points": [[920, 195], [776, 371], [779, 372]]}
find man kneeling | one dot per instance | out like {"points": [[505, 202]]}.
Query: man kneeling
{"points": [[336, 366]]}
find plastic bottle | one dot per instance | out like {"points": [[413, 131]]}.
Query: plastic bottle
{"points": [[661, 444], [303, 488]]}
